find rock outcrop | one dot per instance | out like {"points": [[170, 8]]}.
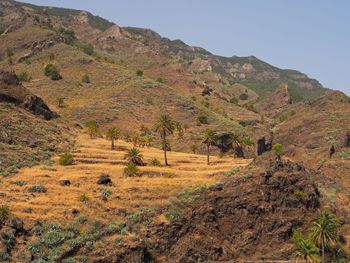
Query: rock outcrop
{"points": [[244, 218], [12, 91]]}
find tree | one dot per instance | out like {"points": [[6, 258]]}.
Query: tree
{"points": [[193, 148], [209, 138], [134, 156], [113, 134], [236, 142], [93, 129], [165, 126], [305, 251], [324, 231]]}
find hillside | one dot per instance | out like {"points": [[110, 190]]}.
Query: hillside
{"points": [[60, 68]]}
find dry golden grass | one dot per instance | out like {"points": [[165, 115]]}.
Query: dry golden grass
{"points": [[93, 158]]}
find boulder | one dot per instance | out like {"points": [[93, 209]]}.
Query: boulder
{"points": [[65, 183], [104, 180], [347, 140], [12, 91]]}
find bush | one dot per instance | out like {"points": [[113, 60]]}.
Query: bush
{"points": [[40, 188], [234, 100], [155, 162], [9, 52], [83, 198], [88, 49], [202, 119], [19, 183], [24, 76], [106, 192], [160, 80], [4, 213], [66, 159], [206, 91], [131, 170], [86, 79], [51, 71], [278, 149], [139, 73]]}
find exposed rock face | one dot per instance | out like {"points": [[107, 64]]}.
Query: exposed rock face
{"points": [[347, 140], [263, 146], [239, 220], [12, 91]]}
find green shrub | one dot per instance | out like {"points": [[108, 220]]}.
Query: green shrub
{"points": [[233, 100], [9, 52], [66, 159], [83, 198], [88, 49], [86, 79], [51, 71], [4, 213], [139, 73], [4, 257], [131, 169], [52, 238], [24, 76], [160, 80], [232, 172], [155, 162], [19, 183], [278, 149], [106, 192], [40, 188], [202, 119]]}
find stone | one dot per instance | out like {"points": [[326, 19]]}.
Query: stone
{"points": [[65, 183], [104, 179]]}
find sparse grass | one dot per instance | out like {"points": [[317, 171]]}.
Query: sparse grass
{"points": [[40, 188], [83, 198], [232, 172], [4, 213], [19, 183]]}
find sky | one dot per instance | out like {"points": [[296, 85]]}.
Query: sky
{"points": [[312, 36]]}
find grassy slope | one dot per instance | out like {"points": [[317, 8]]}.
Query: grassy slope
{"points": [[142, 198]]}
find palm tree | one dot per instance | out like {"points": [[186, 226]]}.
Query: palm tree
{"points": [[305, 250], [134, 156], [325, 231], [209, 138], [248, 142], [165, 126], [113, 134], [236, 142]]}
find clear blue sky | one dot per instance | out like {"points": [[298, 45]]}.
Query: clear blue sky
{"points": [[312, 36]]}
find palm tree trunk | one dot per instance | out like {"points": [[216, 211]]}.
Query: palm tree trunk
{"points": [[323, 253], [164, 148], [208, 162], [113, 147]]}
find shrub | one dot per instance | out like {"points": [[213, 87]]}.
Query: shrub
{"points": [[232, 172], [51, 71], [19, 183], [40, 188], [278, 149], [160, 80], [206, 91], [24, 76], [131, 169], [4, 213], [9, 52], [86, 79], [83, 198], [88, 49], [106, 192], [233, 100], [202, 119], [139, 73], [68, 34], [155, 162], [66, 159]]}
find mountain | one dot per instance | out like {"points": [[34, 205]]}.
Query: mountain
{"points": [[60, 68]]}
